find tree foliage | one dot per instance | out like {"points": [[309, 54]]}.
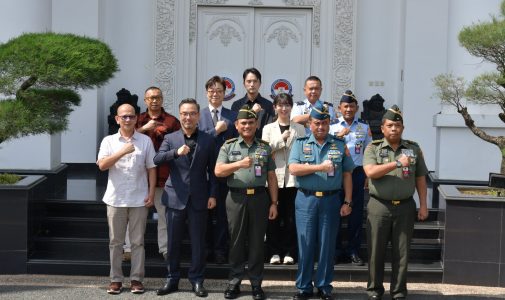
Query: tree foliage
{"points": [[39, 77], [485, 40]]}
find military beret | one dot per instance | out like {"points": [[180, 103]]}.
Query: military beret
{"points": [[393, 113], [348, 97], [246, 113], [319, 111]]}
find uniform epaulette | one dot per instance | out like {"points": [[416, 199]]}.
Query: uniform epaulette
{"points": [[411, 142], [263, 142], [328, 103], [377, 142], [362, 121], [231, 140], [302, 138], [300, 103], [338, 138]]}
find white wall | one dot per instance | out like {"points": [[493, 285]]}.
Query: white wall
{"points": [[32, 152]]}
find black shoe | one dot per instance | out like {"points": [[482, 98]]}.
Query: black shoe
{"points": [[168, 288], [257, 293], [303, 296], [232, 291], [200, 290], [324, 295], [356, 260], [220, 258], [374, 297]]}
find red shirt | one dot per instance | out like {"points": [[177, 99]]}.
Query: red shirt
{"points": [[169, 124]]}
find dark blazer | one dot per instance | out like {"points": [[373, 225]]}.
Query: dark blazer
{"points": [[265, 116], [205, 124], [196, 178]]}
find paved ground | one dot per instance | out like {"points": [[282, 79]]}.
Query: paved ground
{"points": [[87, 287]]}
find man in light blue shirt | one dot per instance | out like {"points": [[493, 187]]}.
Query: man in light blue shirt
{"points": [[357, 136]]}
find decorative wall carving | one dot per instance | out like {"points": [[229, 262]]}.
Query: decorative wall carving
{"points": [[164, 57], [343, 47], [316, 15], [255, 2], [283, 34], [225, 33]]}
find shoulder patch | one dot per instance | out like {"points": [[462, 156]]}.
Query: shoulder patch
{"points": [[377, 142], [328, 103], [300, 103], [231, 140], [362, 121], [302, 138], [412, 143], [263, 142]]}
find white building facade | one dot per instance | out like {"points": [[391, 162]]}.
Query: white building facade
{"points": [[390, 47]]}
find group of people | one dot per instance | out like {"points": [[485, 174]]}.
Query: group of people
{"points": [[287, 170]]}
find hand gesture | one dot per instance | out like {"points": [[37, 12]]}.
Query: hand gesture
{"points": [[211, 203], [256, 108], [405, 160], [272, 212], [344, 132], [221, 126], [128, 148], [183, 150], [246, 162], [285, 135], [151, 125], [345, 210], [327, 166]]}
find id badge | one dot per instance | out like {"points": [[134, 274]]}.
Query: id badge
{"points": [[405, 172], [257, 170], [357, 148], [332, 172]]}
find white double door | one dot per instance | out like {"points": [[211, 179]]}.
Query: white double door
{"points": [[276, 41]]}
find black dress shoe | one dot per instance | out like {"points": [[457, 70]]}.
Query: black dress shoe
{"points": [[200, 290], [168, 288], [356, 260], [220, 258], [257, 293], [232, 291], [303, 296], [374, 297], [324, 295]]}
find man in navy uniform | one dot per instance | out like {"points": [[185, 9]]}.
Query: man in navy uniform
{"points": [[357, 136], [322, 166]]}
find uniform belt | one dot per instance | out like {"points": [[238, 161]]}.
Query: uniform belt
{"points": [[392, 202], [248, 191], [319, 193]]}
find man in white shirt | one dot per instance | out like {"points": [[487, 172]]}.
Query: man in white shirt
{"points": [[128, 155]]}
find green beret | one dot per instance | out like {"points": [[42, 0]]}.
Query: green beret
{"points": [[319, 111], [348, 97], [394, 114], [246, 113]]}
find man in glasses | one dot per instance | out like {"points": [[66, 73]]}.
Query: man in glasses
{"points": [[128, 155], [189, 192], [156, 123]]}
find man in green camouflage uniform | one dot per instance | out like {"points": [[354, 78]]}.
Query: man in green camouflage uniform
{"points": [[395, 168], [247, 163]]}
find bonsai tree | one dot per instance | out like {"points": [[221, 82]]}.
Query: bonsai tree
{"points": [[485, 40], [39, 77]]}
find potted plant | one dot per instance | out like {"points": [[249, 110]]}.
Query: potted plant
{"points": [[40, 74]]}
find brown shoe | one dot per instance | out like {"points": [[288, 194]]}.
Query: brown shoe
{"points": [[136, 287], [114, 288], [127, 256]]}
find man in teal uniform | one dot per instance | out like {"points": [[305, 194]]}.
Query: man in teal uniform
{"points": [[322, 165], [395, 168], [247, 163]]}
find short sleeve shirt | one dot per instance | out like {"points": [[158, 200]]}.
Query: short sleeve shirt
{"points": [[237, 149], [127, 184], [358, 138], [401, 182], [308, 151], [304, 107]]}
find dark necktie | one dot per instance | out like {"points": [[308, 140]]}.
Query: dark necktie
{"points": [[214, 116]]}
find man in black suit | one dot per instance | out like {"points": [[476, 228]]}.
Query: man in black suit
{"points": [[218, 121], [191, 155], [262, 107]]}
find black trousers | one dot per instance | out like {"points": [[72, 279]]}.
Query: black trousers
{"points": [[281, 232]]}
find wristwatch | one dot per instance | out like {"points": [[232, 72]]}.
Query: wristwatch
{"points": [[398, 164], [348, 203]]}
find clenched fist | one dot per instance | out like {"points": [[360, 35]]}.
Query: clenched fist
{"points": [[183, 150]]}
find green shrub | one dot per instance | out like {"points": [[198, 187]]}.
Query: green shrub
{"points": [[6, 178]]}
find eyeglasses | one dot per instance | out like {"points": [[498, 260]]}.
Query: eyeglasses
{"points": [[128, 117], [189, 114], [215, 91], [154, 98]]}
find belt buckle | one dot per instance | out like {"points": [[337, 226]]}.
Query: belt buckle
{"points": [[250, 191], [395, 202], [319, 194]]}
